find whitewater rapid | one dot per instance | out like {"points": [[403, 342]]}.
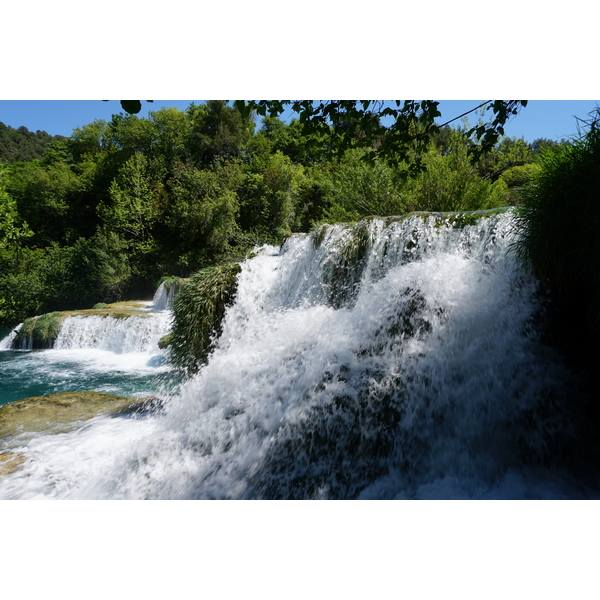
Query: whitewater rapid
{"points": [[390, 359]]}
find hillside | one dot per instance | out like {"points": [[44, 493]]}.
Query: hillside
{"points": [[21, 144]]}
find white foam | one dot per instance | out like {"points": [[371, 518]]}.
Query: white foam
{"points": [[416, 385]]}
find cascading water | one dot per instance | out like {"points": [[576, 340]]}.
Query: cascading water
{"points": [[6, 342], [132, 334], [100, 353], [390, 359], [164, 295]]}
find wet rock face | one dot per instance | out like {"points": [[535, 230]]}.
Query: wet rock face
{"points": [[57, 413]]}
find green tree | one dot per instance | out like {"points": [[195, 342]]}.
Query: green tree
{"points": [[269, 195], [275, 135], [201, 218], [452, 182], [23, 145], [47, 198], [508, 153], [13, 231], [88, 140], [217, 131], [132, 211], [541, 144], [172, 131], [100, 268], [335, 126], [352, 188]]}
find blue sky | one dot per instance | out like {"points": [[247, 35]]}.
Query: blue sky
{"points": [[553, 119]]}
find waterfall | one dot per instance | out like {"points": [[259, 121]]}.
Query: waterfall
{"points": [[392, 358], [120, 335], [165, 294], [6, 342]]}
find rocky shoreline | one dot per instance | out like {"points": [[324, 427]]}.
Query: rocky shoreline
{"points": [[57, 413]]}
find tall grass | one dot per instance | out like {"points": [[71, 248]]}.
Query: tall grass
{"points": [[198, 310], [559, 222]]}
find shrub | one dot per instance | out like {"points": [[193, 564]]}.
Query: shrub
{"points": [[41, 331], [198, 310], [559, 223]]}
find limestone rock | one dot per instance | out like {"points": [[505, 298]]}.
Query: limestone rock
{"points": [[57, 413]]}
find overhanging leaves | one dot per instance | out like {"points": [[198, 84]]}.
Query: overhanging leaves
{"points": [[335, 126]]}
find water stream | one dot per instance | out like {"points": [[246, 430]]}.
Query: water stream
{"points": [[390, 359]]}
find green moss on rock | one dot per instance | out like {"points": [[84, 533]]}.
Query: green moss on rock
{"points": [[165, 341], [57, 413], [39, 332], [451, 219]]}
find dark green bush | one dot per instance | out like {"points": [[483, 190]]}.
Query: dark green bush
{"points": [[198, 310], [559, 224]]}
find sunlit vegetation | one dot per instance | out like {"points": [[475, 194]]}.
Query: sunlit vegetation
{"points": [[106, 213]]}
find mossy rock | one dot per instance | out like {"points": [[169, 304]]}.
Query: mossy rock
{"points": [[10, 462], [165, 341], [42, 331], [100, 305], [58, 413], [452, 219]]}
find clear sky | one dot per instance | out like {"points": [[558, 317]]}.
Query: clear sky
{"points": [[553, 119]]}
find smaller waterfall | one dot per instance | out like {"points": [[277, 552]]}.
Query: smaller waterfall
{"points": [[165, 294], [131, 334], [6, 343]]}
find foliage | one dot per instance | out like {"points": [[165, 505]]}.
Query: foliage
{"points": [[198, 311], [12, 233], [109, 210], [516, 178], [132, 210], [510, 152], [201, 218], [100, 268], [218, 131], [46, 196], [170, 281], [451, 182], [32, 280], [559, 223], [21, 144], [269, 194], [41, 332], [352, 188], [339, 125]]}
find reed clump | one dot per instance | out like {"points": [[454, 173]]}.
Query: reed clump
{"points": [[198, 311], [559, 223]]}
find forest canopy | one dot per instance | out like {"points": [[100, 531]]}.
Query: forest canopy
{"points": [[104, 214], [21, 144]]}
